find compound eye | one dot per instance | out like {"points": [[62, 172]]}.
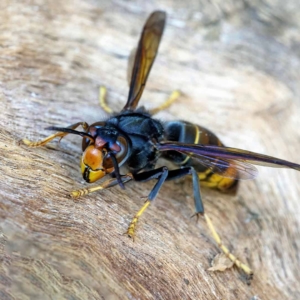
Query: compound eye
{"points": [[121, 150], [92, 130], [85, 143], [122, 155]]}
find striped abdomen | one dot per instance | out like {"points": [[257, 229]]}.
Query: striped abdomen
{"points": [[185, 132]]}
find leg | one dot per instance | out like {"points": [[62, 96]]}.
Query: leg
{"points": [[196, 188], [102, 100], [162, 174], [105, 185], [200, 211], [225, 250], [53, 136], [174, 96]]}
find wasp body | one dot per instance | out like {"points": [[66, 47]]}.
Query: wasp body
{"points": [[136, 140]]}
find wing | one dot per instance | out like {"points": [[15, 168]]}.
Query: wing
{"points": [[144, 57], [130, 64], [226, 167], [228, 162]]}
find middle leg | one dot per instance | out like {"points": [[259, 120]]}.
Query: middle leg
{"points": [[163, 174]]}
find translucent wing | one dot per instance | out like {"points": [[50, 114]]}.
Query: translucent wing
{"points": [[145, 55], [130, 64], [228, 162], [227, 167]]}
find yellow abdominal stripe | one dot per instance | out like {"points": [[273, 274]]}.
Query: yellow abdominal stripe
{"points": [[215, 180]]}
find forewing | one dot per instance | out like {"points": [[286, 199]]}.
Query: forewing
{"points": [[218, 158], [226, 167], [130, 64], [144, 57]]}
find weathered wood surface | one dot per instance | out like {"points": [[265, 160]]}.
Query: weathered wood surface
{"points": [[237, 63]]}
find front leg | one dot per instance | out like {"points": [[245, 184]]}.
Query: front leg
{"points": [[48, 139], [105, 185]]}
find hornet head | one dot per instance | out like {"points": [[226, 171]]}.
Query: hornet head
{"points": [[104, 148]]}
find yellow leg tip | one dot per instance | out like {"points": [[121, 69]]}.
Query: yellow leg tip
{"points": [[78, 193], [102, 100], [102, 89], [175, 94], [74, 195], [28, 143], [131, 228], [173, 97], [225, 250], [130, 232], [83, 192]]}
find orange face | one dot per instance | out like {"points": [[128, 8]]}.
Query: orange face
{"points": [[92, 164], [100, 155]]}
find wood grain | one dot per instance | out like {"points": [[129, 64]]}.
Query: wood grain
{"points": [[237, 64]]}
